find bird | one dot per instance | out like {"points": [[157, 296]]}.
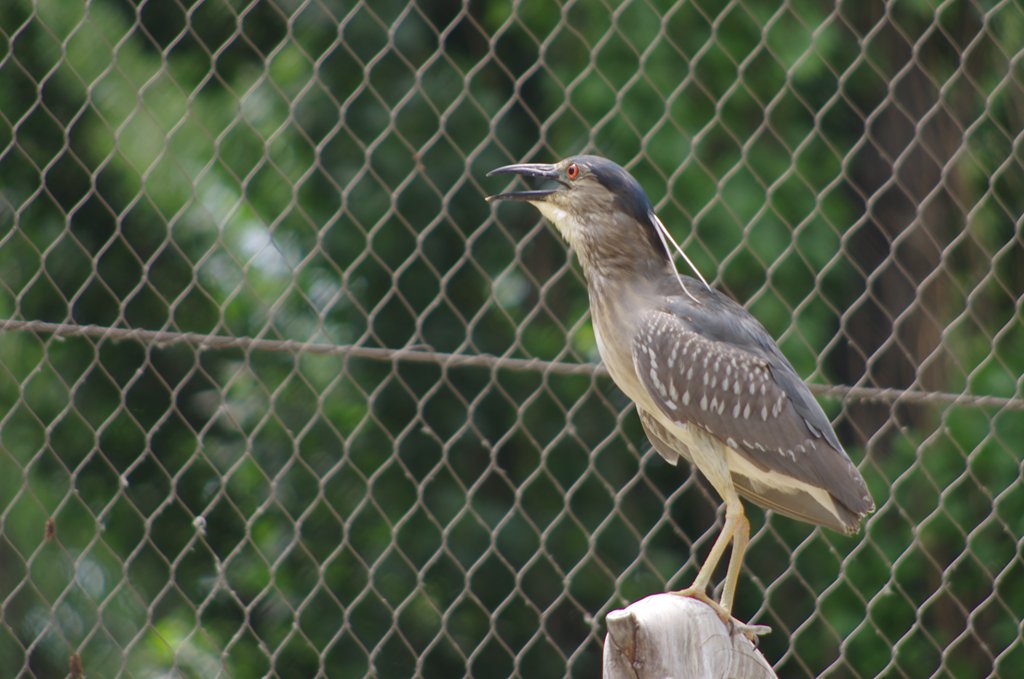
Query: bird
{"points": [[709, 383]]}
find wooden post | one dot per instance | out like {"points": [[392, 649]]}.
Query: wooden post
{"points": [[666, 635]]}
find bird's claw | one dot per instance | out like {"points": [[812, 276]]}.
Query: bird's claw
{"points": [[751, 632], [702, 596]]}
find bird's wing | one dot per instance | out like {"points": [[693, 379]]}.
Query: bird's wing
{"points": [[735, 393], [717, 317]]}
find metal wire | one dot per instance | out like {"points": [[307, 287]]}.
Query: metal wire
{"points": [[203, 342]]}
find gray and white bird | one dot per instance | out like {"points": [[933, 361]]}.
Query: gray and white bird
{"points": [[709, 383]]}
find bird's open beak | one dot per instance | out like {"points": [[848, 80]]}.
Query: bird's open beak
{"points": [[542, 170]]}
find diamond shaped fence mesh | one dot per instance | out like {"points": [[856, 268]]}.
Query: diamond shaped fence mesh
{"points": [[281, 395]]}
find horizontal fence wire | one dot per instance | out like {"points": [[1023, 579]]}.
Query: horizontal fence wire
{"points": [[199, 340]]}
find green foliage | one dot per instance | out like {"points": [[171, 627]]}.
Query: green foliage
{"points": [[314, 172]]}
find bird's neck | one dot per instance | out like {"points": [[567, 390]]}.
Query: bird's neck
{"points": [[626, 265], [620, 286], [618, 249], [619, 295]]}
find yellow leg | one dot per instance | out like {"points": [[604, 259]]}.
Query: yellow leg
{"points": [[698, 589], [736, 530], [710, 456], [740, 539]]}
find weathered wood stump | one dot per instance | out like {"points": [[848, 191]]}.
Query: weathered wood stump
{"points": [[666, 635]]}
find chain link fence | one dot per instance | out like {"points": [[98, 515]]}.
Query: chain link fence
{"points": [[281, 395]]}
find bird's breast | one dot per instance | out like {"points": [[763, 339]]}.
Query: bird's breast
{"points": [[614, 320]]}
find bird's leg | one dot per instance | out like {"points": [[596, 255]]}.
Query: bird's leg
{"points": [[740, 539], [736, 530], [698, 590]]}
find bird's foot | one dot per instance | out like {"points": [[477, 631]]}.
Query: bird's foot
{"points": [[751, 632]]}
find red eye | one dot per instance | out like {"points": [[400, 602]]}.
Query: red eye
{"points": [[573, 171]]}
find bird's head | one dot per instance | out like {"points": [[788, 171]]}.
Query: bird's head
{"points": [[598, 207]]}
